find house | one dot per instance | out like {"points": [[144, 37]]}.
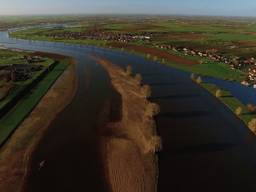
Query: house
{"points": [[21, 72], [33, 59], [245, 83], [18, 72]]}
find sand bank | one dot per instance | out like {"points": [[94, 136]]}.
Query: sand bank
{"points": [[130, 140]]}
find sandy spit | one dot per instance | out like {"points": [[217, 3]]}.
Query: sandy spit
{"points": [[129, 140]]}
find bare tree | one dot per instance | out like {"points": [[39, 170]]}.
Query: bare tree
{"points": [[218, 93], [129, 70], [199, 80], [146, 91], [193, 76], [138, 78], [239, 111], [251, 108]]}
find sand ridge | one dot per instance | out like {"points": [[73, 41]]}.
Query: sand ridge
{"points": [[130, 139]]}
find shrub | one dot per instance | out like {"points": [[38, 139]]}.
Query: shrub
{"points": [[138, 78], [193, 76], [148, 55], [251, 108], [199, 80], [146, 91], [155, 58], [152, 110], [156, 144], [129, 70], [239, 111], [218, 93], [252, 125]]}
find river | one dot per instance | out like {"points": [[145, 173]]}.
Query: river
{"points": [[205, 147]]}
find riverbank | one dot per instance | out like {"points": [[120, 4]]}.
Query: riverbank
{"points": [[232, 103], [15, 154], [129, 140]]}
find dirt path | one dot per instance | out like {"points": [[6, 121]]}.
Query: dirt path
{"points": [[130, 140], [14, 156]]}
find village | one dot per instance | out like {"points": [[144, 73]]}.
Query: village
{"points": [[240, 63], [98, 34]]}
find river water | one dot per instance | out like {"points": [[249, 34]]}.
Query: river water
{"points": [[205, 147]]}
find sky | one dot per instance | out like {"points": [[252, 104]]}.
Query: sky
{"points": [[170, 7]]}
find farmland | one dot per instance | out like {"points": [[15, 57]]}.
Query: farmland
{"points": [[10, 121], [23, 95], [222, 47]]}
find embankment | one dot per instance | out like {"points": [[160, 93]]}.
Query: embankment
{"points": [[130, 140], [16, 153]]}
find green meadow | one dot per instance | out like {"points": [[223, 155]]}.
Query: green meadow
{"points": [[10, 121]]}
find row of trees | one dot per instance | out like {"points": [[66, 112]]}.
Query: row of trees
{"points": [[219, 93], [239, 110]]}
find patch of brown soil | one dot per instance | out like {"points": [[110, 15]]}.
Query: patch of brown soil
{"points": [[246, 43], [251, 33], [130, 140], [140, 28], [190, 36], [154, 52], [15, 154], [49, 55], [183, 36]]}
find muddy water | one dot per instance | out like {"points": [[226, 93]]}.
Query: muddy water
{"points": [[205, 147]]}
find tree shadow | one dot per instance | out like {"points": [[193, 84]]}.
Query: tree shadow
{"points": [[198, 149], [204, 148], [227, 96], [181, 96], [185, 114]]}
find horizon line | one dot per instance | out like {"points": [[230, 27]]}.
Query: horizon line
{"points": [[126, 14]]}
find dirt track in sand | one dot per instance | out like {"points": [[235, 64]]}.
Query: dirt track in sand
{"points": [[129, 140], [155, 52], [14, 156]]}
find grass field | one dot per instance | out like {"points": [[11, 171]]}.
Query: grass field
{"points": [[213, 69], [11, 57], [20, 85], [13, 118]]}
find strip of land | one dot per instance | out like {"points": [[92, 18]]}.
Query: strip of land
{"points": [[233, 104], [130, 141], [15, 154]]}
